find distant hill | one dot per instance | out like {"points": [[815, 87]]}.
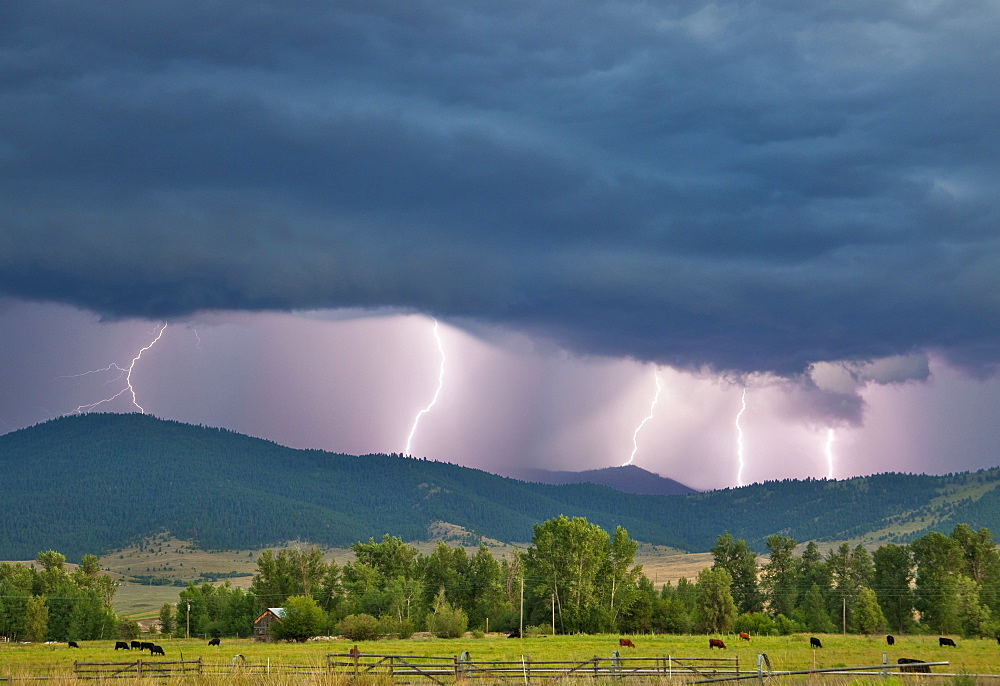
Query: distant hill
{"points": [[94, 483], [627, 479]]}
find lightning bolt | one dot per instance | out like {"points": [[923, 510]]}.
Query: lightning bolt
{"points": [[434, 400], [739, 437], [635, 434], [197, 338], [829, 453], [126, 372]]}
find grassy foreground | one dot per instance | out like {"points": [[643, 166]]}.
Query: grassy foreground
{"points": [[785, 653]]}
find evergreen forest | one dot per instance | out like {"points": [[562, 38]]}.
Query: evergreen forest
{"points": [[99, 482]]}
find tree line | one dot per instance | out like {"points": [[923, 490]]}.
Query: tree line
{"points": [[51, 603], [575, 577]]}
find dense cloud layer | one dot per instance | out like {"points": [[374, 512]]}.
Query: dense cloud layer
{"points": [[747, 186]]}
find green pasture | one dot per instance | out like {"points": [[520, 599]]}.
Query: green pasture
{"points": [[971, 656]]}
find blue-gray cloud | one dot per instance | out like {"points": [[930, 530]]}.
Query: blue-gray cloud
{"points": [[752, 187]]}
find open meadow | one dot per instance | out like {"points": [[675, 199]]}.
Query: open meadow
{"points": [[785, 653]]}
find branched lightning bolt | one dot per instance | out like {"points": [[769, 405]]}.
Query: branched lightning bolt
{"points": [[830, 435], [434, 400], [635, 434], [126, 372], [739, 437]]}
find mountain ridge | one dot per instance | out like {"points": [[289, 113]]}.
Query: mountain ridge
{"points": [[94, 483], [626, 478]]}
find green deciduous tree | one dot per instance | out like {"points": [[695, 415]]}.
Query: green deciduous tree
{"points": [[939, 560], [303, 618], [812, 612], [715, 610], [564, 560], [736, 558], [781, 575], [166, 619], [36, 619], [867, 615], [892, 585]]}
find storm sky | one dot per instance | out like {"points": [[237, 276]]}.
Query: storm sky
{"points": [[800, 201]]}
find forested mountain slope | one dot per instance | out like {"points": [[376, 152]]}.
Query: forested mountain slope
{"points": [[93, 483]]}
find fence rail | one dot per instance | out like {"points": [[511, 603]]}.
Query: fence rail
{"points": [[136, 668], [438, 669]]}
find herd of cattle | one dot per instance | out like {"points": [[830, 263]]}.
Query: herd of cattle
{"points": [[143, 645]]}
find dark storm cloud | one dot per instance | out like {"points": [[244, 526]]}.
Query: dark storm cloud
{"points": [[744, 186]]}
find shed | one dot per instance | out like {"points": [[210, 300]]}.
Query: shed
{"points": [[262, 625]]}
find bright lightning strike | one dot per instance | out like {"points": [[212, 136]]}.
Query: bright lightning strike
{"points": [[739, 437], [635, 434], [126, 372], [434, 400], [829, 453]]}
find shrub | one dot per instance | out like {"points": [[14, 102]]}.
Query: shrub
{"points": [[360, 627], [447, 622], [393, 626]]}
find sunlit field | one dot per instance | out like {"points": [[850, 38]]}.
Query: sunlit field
{"points": [[785, 653]]}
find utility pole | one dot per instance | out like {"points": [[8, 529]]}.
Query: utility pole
{"points": [[520, 629], [187, 631]]}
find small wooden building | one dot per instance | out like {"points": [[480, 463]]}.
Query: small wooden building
{"points": [[262, 625]]}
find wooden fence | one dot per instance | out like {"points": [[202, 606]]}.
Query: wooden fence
{"points": [[440, 669], [443, 670], [136, 668]]}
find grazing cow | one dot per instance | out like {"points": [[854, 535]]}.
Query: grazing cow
{"points": [[514, 634], [215, 642], [355, 653], [890, 639], [156, 650], [72, 644], [626, 642], [744, 636], [716, 643], [814, 642], [121, 645], [135, 645], [998, 639], [943, 641], [908, 664], [145, 645]]}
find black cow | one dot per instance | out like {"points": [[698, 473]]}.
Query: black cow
{"points": [[72, 644], [145, 645], [215, 642], [156, 650], [514, 634], [135, 645], [121, 645], [814, 642], [908, 664], [943, 641], [890, 639]]}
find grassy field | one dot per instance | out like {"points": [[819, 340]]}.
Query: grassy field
{"points": [[785, 653]]}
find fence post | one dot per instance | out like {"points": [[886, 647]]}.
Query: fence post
{"points": [[885, 666]]}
